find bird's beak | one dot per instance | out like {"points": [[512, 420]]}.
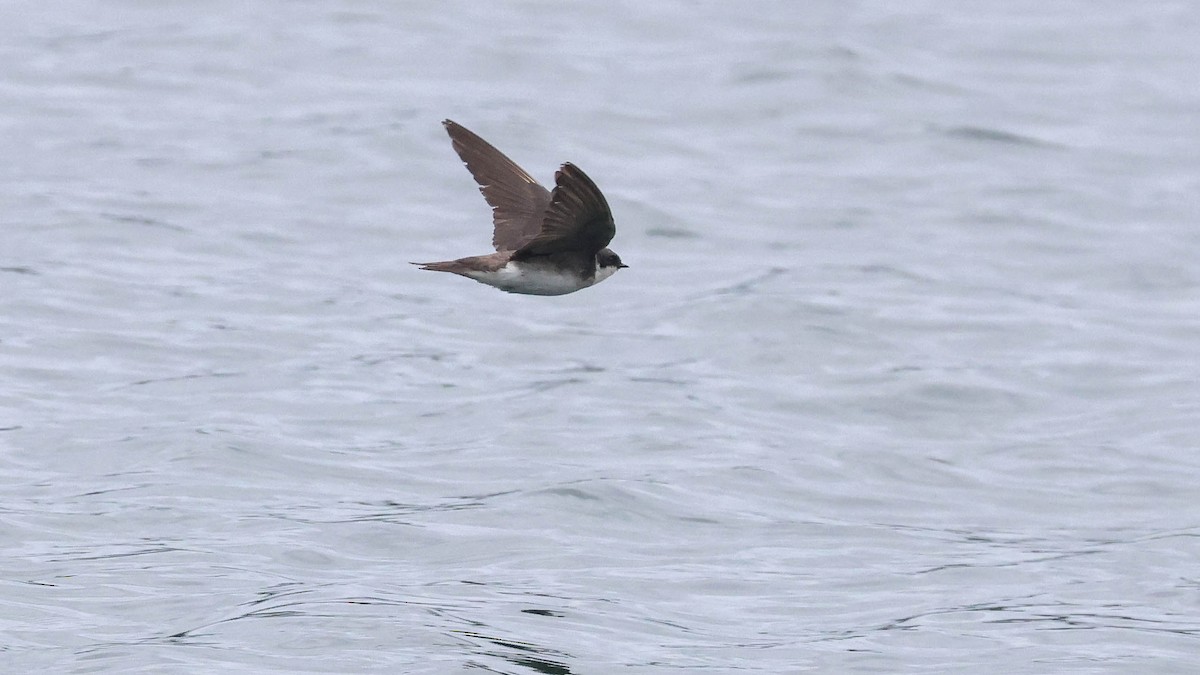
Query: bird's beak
{"points": [[622, 266]]}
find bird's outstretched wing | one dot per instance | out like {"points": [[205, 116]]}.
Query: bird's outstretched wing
{"points": [[518, 202]]}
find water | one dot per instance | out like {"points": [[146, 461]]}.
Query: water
{"points": [[902, 378]]}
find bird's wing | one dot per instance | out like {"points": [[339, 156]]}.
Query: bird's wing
{"points": [[578, 218], [518, 201]]}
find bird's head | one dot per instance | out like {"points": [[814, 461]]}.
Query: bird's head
{"points": [[608, 258], [607, 262]]}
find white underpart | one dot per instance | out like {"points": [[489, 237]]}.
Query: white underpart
{"points": [[517, 278], [603, 273]]}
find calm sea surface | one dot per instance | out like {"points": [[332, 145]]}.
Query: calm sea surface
{"points": [[904, 376]]}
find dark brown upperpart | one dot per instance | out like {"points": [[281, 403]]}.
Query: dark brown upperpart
{"points": [[478, 263], [574, 220], [577, 220], [518, 201]]}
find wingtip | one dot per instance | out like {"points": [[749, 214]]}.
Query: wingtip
{"points": [[574, 174], [569, 169]]}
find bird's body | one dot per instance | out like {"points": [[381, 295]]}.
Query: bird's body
{"points": [[547, 243], [531, 277]]}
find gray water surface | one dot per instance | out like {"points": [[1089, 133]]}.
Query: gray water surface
{"points": [[904, 375]]}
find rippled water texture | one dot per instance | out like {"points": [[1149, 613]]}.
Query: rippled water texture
{"points": [[903, 376]]}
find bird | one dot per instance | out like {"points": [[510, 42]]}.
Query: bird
{"points": [[547, 242]]}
